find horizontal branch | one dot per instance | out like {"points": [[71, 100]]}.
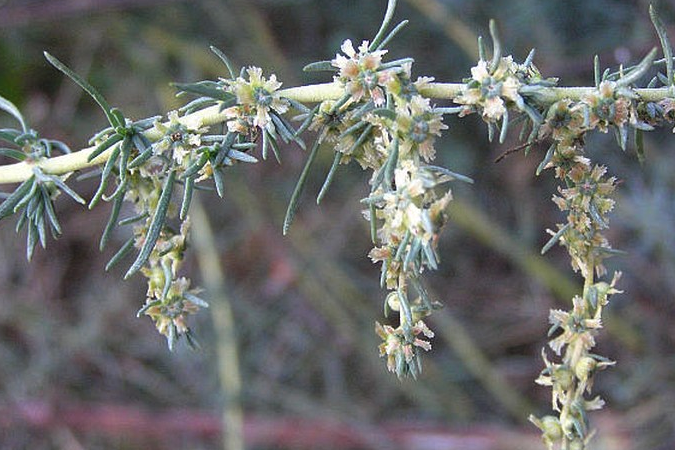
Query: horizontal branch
{"points": [[15, 173]]}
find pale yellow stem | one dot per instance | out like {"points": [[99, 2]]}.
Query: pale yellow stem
{"points": [[59, 165]]}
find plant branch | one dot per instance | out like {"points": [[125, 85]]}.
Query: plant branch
{"points": [[15, 173]]}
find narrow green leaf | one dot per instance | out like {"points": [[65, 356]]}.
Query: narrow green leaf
{"points": [[7, 207], [362, 138], [225, 61], [114, 214], [481, 49], [274, 145], [640, 145], [30, 196], [63, 148], [39, 221], [156, 225], [105, 174], [353, 129], [547, 159], [51, 214], [391, 164], [147, 306], [286, 131], [320, 66], [88, 88], [195, 105], [307, 121], [298, 106], [219, 182], [596, 70], [144, 124], [168, 278], [295, 197], [192, 341], [373, 223], [392, 33], [209, 89], [265, 145], [405, 306], [402, 246], [172, 338], [125, 154], [187, 197], [639, 70], [120, 121], [244, 145], [103, 146], [383, 275], [197, 165], [12, 153], [196, 300], [121, 253], [665, 43], [413, 253], [9, 135], [491, 131], [496, 46], [505, 126], [61, 185], [431, 256], [339, 104], [141, 159], [12, 110], [388, 15], [31, 240], [596, 216], [529, 59], [241, 156], [132, 219], [23, 218], [555, 238], [397, 63], [329, 178]]}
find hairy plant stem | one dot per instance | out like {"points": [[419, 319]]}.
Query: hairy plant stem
{"points": [[18, 172]]}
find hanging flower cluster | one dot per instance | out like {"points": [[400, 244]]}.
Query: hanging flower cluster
{"points": [[384, 124], [187, 156], [150, 158], [586, 198]]}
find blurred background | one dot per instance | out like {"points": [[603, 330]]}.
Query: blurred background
{"points": [[289, 355]]}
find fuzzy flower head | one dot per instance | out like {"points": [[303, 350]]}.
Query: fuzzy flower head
{"points": [[608, 107], [490, 93], [414, 207], [174, 310], [418, 126], [257, 96], [401, 351], [360, 72]]}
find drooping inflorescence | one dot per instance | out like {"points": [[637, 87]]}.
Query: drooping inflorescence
{"points": [[374, 113]]}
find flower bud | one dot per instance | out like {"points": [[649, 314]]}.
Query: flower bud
{"points": [[584, 367], [393, 301], [563, 376], [550, 426]]}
